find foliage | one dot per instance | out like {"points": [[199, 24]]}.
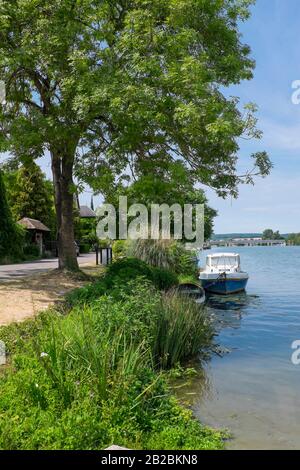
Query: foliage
{"points": [[119, 274], [85, 230], [153, 252], [30, 194], [129, 268], [164, 279], [168, 185], [120, 248], [107, 86], [183, 328], [294, 238], [11, 234], [177, 327], [84, 248], [268, 234], [32, 251], [86, 380]]}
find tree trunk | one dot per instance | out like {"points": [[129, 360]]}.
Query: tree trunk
{"points": [[62, 169]]}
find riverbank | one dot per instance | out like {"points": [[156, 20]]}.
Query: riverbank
{"points": [[93, 374], [26, 297]]}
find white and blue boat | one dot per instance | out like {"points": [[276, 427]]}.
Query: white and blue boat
{"points": [[223, 274]]}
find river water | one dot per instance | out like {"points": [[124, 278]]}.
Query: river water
{"points": [[254, 389]]}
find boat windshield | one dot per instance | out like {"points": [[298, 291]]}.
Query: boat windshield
{"points": [[231, 261]]}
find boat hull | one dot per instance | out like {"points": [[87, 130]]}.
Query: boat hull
{"points": [[224, 285]]}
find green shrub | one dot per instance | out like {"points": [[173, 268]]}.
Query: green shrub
{"points": [[164, 279], [120, 249], [117, 276], [129, 268], [84, 248], [32, 250]]}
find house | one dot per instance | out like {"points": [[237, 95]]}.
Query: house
{"points": [[86, 213], [36, 230]]}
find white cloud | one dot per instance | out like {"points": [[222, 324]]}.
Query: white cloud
{"points": [[281, 136]]}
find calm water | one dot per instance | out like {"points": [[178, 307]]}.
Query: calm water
{"points": [[254, 390]]}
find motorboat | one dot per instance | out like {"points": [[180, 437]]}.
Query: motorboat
{"points": [[223, 274]]}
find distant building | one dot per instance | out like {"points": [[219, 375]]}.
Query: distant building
{"points": [[86, 212]]}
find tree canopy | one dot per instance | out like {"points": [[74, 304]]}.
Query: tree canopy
{"points": [[294, 238], [114, 86], [168, 185], [269, 234]]}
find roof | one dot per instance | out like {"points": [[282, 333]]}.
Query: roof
{"points": [[221, 255], [86, 213], [33, 224]]}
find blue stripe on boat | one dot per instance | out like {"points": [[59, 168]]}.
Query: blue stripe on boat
{"points": [[224, 286]]}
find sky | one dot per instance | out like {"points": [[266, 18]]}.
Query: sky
{"points": [[274, 202]]}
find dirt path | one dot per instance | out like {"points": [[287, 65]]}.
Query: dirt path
{"points": [[26, 297]]}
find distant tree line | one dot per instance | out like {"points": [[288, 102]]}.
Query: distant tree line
{"points": [[269, 234], [291, 238], [294, 239]]}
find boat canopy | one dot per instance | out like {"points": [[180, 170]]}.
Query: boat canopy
{"points": [[216, 260]]}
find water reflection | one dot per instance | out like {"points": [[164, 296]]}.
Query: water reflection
{"points": [[254, 389], [189, 388], [228, 311]]}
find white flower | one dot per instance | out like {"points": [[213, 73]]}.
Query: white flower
{"points": [[43, 354]]}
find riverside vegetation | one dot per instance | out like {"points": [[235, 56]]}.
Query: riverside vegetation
{"points": [[95, 372]]}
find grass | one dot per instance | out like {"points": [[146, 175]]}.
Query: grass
{"points": [[182, 330], [95, 376]]}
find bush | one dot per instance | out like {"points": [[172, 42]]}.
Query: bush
{"points": [[120, 249], [84, 248], [164, 279], [32, 251], [117, 277], [129, 268], [174, 326]]}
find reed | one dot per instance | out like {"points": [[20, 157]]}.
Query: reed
{"points": [[81, 349], [182, 330]]}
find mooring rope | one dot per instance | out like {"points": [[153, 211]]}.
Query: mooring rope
{"points": [[222, 276]]}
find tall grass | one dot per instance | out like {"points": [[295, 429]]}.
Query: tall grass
{"points": [[154, 252], [182, 330], [167, 254], [82, 349]]}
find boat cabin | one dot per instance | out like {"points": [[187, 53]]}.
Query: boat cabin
{"points": [[223, 262]]}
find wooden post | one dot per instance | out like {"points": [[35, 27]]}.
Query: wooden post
{"points": [[97, 253]]}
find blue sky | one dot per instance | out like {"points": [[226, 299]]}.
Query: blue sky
{"points": [[274, 202]]}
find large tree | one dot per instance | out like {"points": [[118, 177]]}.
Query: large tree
{"points": [[113, 84], [170, 184]]}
